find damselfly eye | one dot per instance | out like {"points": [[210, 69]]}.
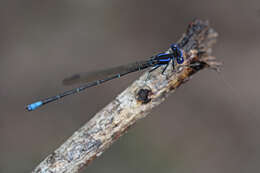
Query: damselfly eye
{"points": [[180, 60], [176, 50], [174, 47]]}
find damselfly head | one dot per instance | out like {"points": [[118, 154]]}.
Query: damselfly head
{"points": [[177, 52]]}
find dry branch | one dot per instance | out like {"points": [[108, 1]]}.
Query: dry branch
{"points": [[151, 89]]}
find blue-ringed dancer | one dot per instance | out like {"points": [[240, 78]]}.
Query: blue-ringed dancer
{"points": [[175, 55]]}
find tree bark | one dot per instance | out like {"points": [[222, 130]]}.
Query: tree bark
{"points": [[134, 103]]}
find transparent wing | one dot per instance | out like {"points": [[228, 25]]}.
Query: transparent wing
{"points": [[102, 74]]}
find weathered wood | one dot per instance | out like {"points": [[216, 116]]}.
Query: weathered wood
{"points": [[134, 103]]}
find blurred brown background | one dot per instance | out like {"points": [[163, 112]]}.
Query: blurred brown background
{"points": [[216, 128]]}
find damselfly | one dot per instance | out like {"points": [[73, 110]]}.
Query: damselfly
{"points": [[173, 56]]}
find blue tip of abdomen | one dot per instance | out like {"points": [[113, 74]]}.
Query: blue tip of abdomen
{"points": [[34, 106]]}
